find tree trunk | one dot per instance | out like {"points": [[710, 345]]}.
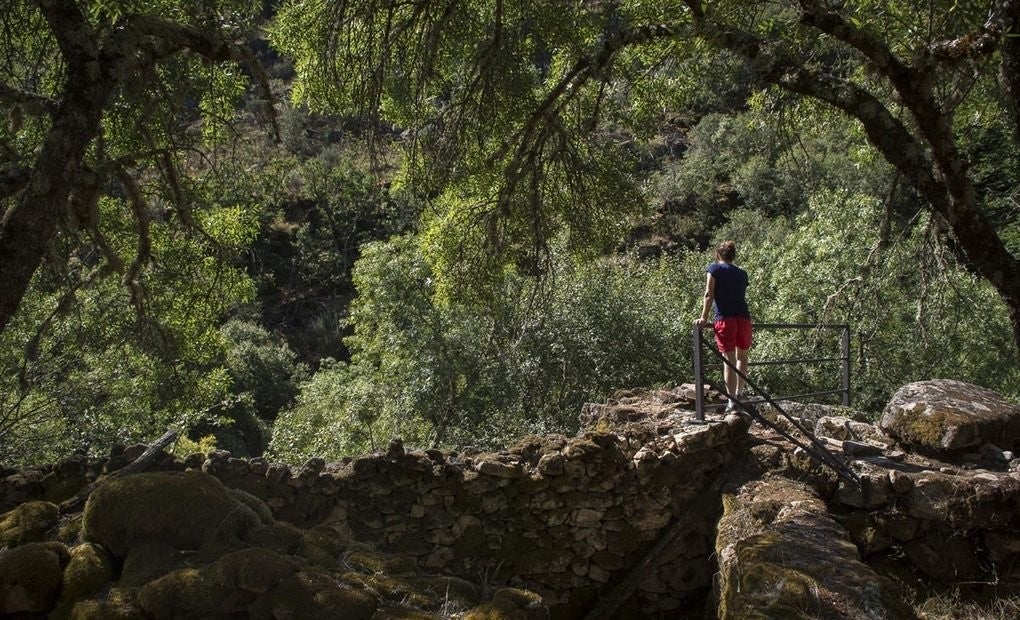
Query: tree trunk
{"points": [[94, 69], [30, 224]]}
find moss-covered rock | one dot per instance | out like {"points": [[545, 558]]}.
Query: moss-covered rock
{"points": [[150, 560], [88, 571], [782, 556], [396, 612], [184, 593], [944, 416], [495, 611], [510, 604], [184, 510], [313, 595], [370, 560], [256, 570], [426, 592], [106, 610], [28, 522], [31, 576], [324, 544], [59, 487], [69, 529], [281, 537]]}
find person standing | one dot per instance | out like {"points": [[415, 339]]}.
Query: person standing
{"points": [[726, 294]]}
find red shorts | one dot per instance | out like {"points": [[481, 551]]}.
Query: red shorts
{"points": [[732, 332]]}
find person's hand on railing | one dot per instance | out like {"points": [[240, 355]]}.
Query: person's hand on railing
{"points": [[702, 323]]}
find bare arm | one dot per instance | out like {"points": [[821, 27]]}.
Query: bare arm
{"points": [[706, 307]]}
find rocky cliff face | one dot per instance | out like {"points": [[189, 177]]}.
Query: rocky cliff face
{"points": [[646, 513]]}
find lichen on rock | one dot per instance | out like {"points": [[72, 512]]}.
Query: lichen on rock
{"points": [[944, 416], [781, 555]]}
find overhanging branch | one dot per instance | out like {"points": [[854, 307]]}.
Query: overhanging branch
{"points": [[161, 38], [29, 102], [983, 41]]}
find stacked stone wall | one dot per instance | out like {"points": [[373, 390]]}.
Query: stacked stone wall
{"points": [[565, 517]]}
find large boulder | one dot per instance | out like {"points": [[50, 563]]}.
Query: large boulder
{"points": [[945, 417], [183, 510], [31, 577]]}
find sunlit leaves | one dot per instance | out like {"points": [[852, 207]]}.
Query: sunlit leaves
{"points": [[443, 372], [103, 368], [906, 299]]}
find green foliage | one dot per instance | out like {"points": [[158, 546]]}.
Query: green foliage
{"points": [[335, 202], [528, 145], [910, 305], [261, 365], [88, 362], [336, 414], [500, 119], [439, 372], [264, 375], [185, 446]]}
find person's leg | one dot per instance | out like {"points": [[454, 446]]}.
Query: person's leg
{"points": [[741, 363], [742, 341], [729, 376], [725, 332]]}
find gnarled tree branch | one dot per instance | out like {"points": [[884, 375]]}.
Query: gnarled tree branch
{"points": [[94, 70]]}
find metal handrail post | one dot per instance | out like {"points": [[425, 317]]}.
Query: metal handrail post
{"points": [[846, 366], [699, 379]]}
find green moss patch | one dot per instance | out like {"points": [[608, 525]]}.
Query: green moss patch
{"points": [[313, 596], [31, 576], [324, 544], [427, 592], [29, 522], [150, 560], [184, 593], [183, 510], [105, 610], [88, 571], [371, 561], [253, 570]]}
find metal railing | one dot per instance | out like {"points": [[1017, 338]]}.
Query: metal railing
{"points": [[813, 447], [843, 358]]}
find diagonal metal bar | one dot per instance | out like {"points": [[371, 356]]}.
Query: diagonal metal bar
{"points": [[816, 449]]}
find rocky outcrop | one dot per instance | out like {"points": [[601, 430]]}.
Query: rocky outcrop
{"points": [[945, 417], [782, 555], [630, 518]]}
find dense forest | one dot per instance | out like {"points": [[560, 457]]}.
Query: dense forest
{"points": [[302, 228]]}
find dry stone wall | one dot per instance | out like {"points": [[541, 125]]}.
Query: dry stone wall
{"points": [[556, 515], [559, 516]]}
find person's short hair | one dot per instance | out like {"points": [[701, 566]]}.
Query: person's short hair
{"points": [[727, 251]]}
